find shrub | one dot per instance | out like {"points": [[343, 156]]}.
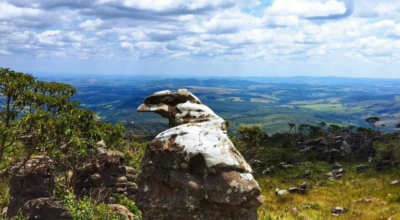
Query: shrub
{"points": [[395, 199], [122, 200], [86, 209]]}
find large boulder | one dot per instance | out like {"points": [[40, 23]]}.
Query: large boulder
{"points": [[192, 170], [105, 176], [31, 189]]}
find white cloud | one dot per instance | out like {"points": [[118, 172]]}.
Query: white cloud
{"points": [[394, 32], [165, 5], [306, 8], [9, 11], [91, 25], [285, 33]]}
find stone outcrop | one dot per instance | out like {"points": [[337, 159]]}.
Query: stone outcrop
{"points": [[105, 176], [341, 145], [192, 170], [31, 190]]}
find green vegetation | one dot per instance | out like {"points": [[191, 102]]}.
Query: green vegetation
{"points": [[86, 209], [44, 113], [268, 102], [332, 108], [367, 196], [66, 131]]}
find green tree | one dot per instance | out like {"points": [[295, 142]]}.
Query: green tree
{"points": [[291, 126], [372, 121], [304, 129], [333, 128], [251, 138], [40, 118], [13, 89], [322, 125]]}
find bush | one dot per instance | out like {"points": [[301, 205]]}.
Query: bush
{"points": [[122, 200], [5, 196], [395, 199], [86, 209]]}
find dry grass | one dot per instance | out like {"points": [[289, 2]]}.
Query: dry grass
{"points": [[350, 192]]}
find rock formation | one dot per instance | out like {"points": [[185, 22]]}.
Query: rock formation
{"points": [[104, 176], [31, 191], [192, 170], [340, 145]]}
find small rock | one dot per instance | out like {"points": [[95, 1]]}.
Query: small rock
{"points": [[339, 171], [329, 175], [395, 182], [122, 211], [283, 192], [287, 166], [304, 186], [339, 210], [268, 171], [368, 200], [362, 200], [339, 176], [307, 174], [361, 168], [297, 190], [336, 166]]}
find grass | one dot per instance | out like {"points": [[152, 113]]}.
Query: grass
{"points": [[332, 108], [318, 101], [324, 195], [325, 107], [261, 100], [397, 98]]}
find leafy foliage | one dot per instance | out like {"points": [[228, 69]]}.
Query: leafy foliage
{"points": [[121, 199], [250, 138], [40, 118], [372, 121], [86, 209]]}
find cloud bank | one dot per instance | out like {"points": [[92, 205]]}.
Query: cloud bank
{"points": [[202, 37]]}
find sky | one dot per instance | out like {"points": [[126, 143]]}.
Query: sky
{"points": [[350, 38]]}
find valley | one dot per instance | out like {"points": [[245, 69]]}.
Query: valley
{"points": [[268, 102]]}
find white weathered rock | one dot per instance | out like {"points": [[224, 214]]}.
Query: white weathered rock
{"points": [[339, 210], [281, 192], [192, 170]]}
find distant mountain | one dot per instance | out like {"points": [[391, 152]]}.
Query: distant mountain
{"points": [[203, 82]]}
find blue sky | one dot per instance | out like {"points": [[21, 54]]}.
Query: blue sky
{"points": [[356, 38]]}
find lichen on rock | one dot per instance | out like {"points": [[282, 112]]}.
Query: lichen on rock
{"points": [[192, 170]]}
